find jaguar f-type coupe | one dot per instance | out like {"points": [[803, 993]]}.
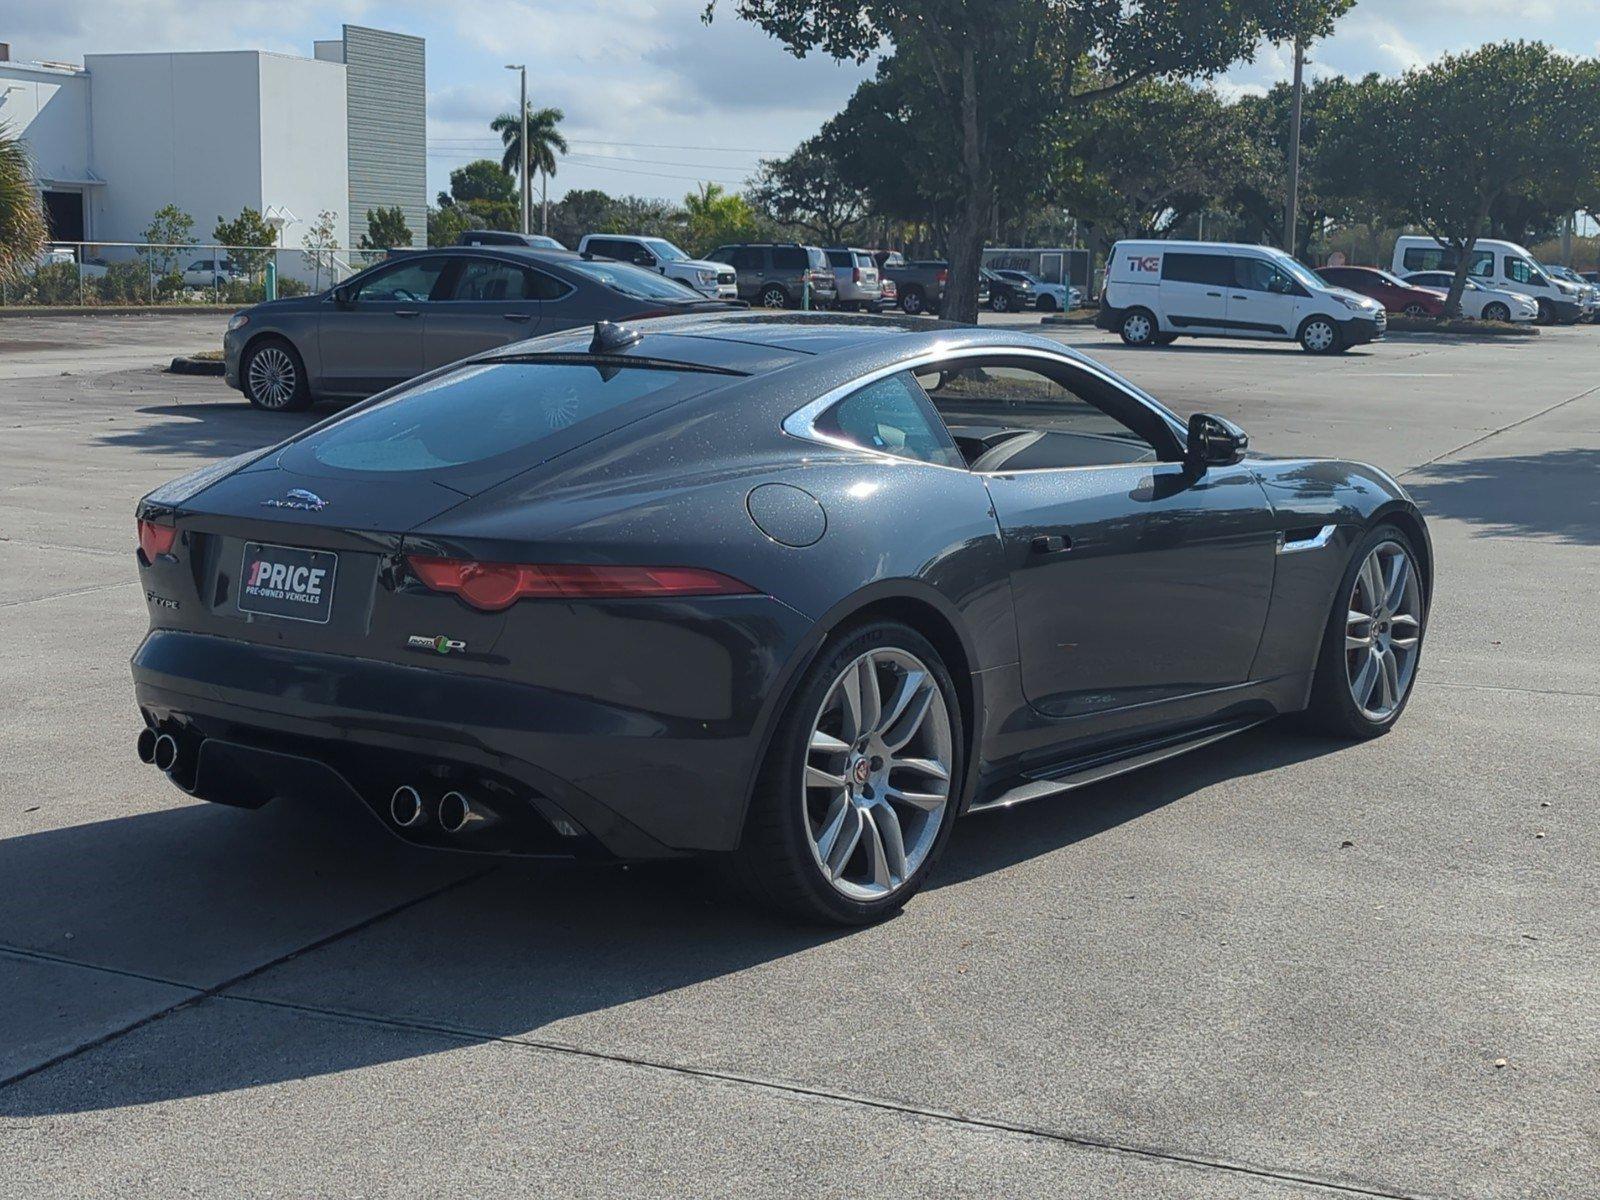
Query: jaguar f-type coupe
{"points": [[796, 590]]}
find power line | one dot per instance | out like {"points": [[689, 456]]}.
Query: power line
{"points": [[635, 145]]}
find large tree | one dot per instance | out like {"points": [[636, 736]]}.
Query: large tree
{"points": [[993, 75], [22, 224], [545, 141], [1448, 142], [808, 190], [716, 216]]}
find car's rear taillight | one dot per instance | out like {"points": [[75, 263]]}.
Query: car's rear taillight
{"points": [[943, 277], [156, 540], [493, 586], [855, 274]]}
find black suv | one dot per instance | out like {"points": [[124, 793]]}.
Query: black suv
{"points": [[780, 274]]}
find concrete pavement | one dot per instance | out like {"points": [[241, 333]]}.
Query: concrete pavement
{"points": [[1278, 967]]}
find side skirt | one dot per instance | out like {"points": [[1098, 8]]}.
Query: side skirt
{"points": [[1093, 768]]}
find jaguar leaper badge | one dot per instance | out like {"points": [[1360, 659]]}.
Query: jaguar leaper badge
{"points": [[439, 645]]}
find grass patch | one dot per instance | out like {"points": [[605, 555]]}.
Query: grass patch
{"points": [[1460, 327]]}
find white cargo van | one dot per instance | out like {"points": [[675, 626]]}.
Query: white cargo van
{"points": [[1494, 264], [1156, 292]]}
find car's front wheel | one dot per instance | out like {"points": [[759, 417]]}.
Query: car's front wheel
{"points": [[1416, 310], [274, 377], [1373, 639], [1047, 304], [861, 782], [1000, 302], [1319, 335]]}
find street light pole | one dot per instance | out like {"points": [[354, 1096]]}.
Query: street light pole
{"points": [[1291, 208], [527, 194]]}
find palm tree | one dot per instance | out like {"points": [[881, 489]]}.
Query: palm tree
{"points": [[544, 143], [22, 226]]}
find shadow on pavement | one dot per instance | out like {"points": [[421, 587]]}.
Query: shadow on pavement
{"points": [[1553, 494], [218, 428], [522, 947]]}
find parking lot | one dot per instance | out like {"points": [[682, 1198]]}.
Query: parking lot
{"points": [[1278, 967]]}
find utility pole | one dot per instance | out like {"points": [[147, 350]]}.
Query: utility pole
{"points": [[1291, 208], [527, 190]]}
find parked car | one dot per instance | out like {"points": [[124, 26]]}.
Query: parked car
{"points": [[1396, 295], [891, 293], [1048, 296], [504, 237], [89, 267], [1479, 302], [1006, 293], [716, 280], [1589, 292], [1158, 291], [855, 274], [780, 275], [920, 284], [1495, 264], [792, 590], [207, 272], [422, 309]]}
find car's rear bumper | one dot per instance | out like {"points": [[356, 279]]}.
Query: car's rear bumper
{"points": [[563, 772]]}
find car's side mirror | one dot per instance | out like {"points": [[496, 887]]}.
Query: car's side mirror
{"points": [[344, 295], [1215, 441]]}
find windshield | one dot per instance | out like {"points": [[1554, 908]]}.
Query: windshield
{"points": [[1392, 280], [665, 250], [634, 281], [1301, 274]]}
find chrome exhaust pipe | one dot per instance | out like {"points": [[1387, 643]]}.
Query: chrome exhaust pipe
{"points": [[406, 808], [165, 752], [145, 747], [458, 814]]}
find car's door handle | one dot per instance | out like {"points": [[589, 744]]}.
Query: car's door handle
{"points": [[1050, 543], [407, 312], [1215, 295], [1236, 296], [517, 316]]}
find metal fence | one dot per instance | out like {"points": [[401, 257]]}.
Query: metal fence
{"points": [[144, 273]]}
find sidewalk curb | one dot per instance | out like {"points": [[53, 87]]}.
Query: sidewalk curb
{"points": [[197, 366], [115, 310]]}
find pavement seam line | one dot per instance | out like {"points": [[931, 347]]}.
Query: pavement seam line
{"points": [[234, 980], [1495, 687], [44, 956], [104, 587], [838, 1096], [1478, 441]]}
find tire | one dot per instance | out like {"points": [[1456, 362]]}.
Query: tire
{"points": [[1547, 315], [273, 376], [1319, 335], [1496, 312], [1334, 709], [774, 296], [1165, 339], [1047, 304], [1416, 310], [1000, 302], [793, 810], [1138, 327], [912, 302]]}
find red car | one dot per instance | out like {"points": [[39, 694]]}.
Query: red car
{"points": [[1395, 294]]}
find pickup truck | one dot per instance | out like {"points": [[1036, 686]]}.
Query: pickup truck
{"points": [[921, 282]]}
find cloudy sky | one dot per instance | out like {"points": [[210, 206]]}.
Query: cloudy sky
{"points": [[655, 100]]}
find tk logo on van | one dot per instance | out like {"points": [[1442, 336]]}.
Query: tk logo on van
{"points": [[1144, 262]]}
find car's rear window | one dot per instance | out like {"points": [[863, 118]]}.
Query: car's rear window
{"points": [[633, 281], [520, 410]]}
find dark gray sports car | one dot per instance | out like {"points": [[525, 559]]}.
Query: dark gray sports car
{"points": [[796, 590], [422, 309]]}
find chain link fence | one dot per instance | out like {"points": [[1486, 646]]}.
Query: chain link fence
{"points": [[143, 274]]}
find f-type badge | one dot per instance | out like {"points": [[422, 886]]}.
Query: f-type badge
{"points": [[439, 645], [298, 498]]}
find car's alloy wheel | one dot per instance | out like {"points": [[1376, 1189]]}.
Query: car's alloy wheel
{"points": [[1383, 631], [1319, 336], [912, 302], [774, 297], [273, 378], [1416, 310], [876, 779], [999, 302], [1496, 312]]}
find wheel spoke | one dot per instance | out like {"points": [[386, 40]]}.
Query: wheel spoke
{"points": [[900, 731], [926, 801], [903, 696], [826, 743], [1395, 584], [1361, 686], [817, 777], [1372, 583], [1389, 672], [844, 842], [871, 700], [887, 823], [926, 766], [877, 856]]}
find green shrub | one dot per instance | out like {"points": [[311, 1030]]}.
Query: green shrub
{"points": [[52, 283], [125, 283], [293, 287]]}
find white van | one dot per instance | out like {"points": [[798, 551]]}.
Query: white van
{"points": [[1495, 264], [1156, 292]]}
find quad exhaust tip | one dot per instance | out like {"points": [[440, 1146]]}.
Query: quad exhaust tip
{"points": [[145, 747], [164, 754], [406, 808], [456, 812]]}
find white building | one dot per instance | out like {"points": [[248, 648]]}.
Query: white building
{"points": [[214, 132]]}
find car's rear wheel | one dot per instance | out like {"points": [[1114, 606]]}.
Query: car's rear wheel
{"points": [[861, 782], [1138, 327], [274, 377], [1496, 312], [1047, 304], [1319, 335], [912, 302], [774, 296], [1373, 639], [1416, 310]]}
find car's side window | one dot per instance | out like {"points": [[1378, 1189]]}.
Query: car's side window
{"points": [[488, 279], [1011, 417], [1258, 275], [406, 283], [748, 258], [789, 258], [892, 416], [1214, 269], [1518, 269]]}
